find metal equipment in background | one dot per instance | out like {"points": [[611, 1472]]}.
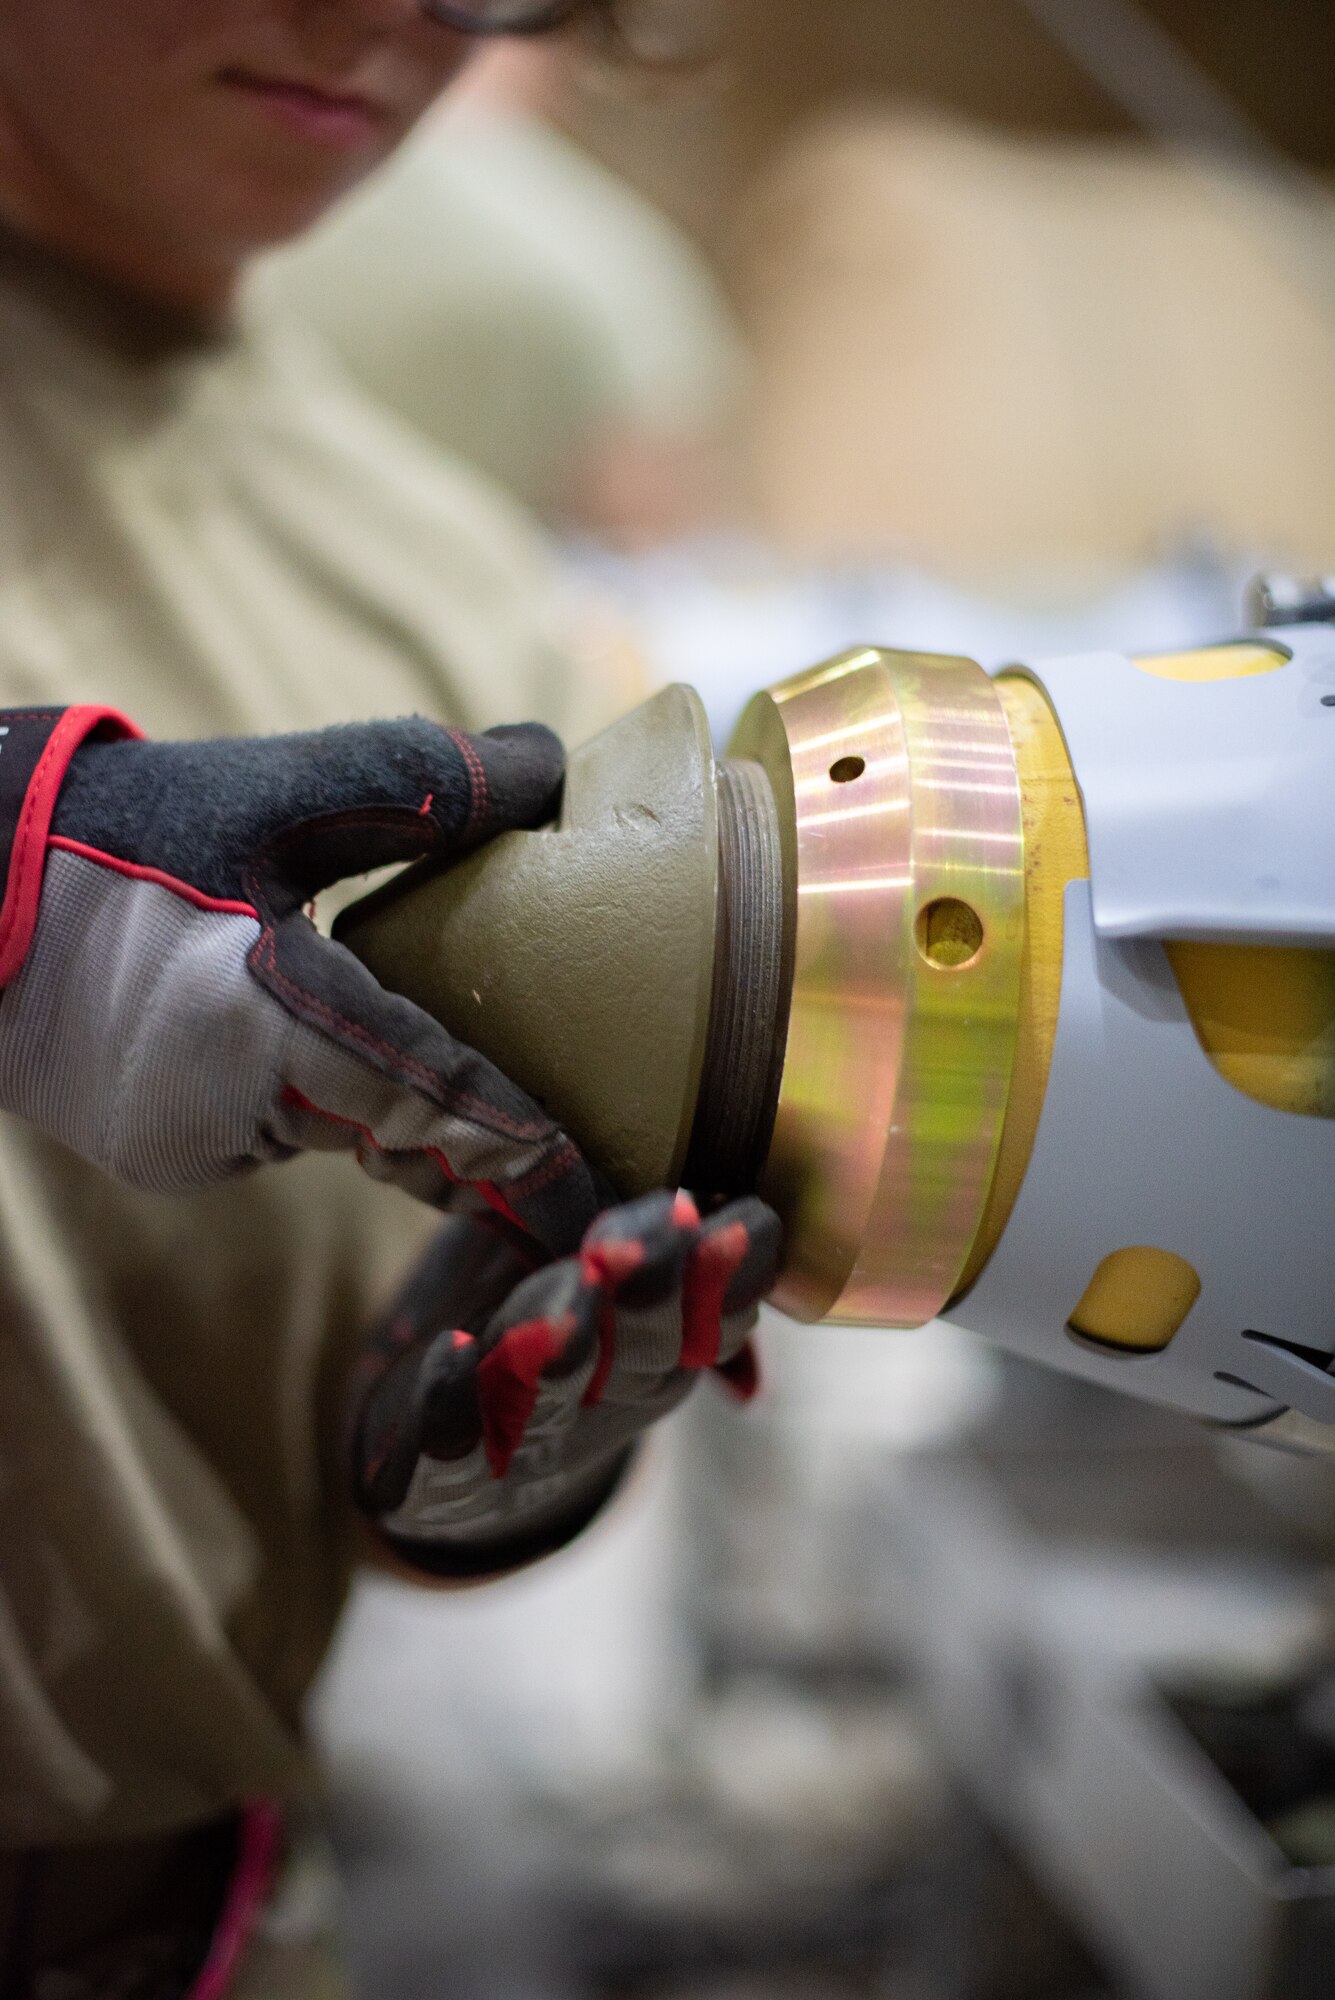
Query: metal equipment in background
{"points": [[1125, 1647]]}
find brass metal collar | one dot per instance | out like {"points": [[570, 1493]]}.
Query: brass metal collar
{"points": [[895, 775]]}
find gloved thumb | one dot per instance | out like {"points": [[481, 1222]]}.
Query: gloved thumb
{"points": [[276, 819]]}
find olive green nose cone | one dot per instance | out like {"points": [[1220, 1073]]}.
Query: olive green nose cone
{"points": [[580, 958]]}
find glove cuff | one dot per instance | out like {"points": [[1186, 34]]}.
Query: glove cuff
{"points": [[472, 1559], [36, 746]]}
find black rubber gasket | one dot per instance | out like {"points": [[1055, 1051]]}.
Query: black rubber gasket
{"points": [[753, 977]]}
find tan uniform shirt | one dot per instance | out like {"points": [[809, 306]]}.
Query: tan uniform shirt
{"points": [[219, 536]]}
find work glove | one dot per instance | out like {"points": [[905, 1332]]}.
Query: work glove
{"points": [[170, 1011], [495, 1406]]}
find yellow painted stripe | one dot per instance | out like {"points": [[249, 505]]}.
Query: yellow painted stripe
{"points": [[1237, 661]]}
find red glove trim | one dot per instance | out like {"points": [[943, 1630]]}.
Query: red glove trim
{"points": [[741, 1376], [709, 1272], [507, 1386], [23, 890], [220, 905], [489, 1193], [258, 1856]]}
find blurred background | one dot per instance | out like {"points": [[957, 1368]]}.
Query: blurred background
{"points": [[973, 325]]}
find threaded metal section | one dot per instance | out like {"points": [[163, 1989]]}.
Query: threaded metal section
{"points": [[753, 975]]}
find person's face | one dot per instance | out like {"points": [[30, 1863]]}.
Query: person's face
{"points": [[211, 128]]}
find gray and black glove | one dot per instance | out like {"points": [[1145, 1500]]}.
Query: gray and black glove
{"points": [[496, 1405], [170, 1011]]}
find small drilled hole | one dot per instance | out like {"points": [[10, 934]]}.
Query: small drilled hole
{"points": [[1328, 701], [845, 769], [949, 933]]}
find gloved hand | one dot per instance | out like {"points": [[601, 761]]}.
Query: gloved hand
{"points": [[485, 1436], [171, 1013]]}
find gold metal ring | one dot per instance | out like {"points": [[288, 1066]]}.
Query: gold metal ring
{"points": [[907, 865]]}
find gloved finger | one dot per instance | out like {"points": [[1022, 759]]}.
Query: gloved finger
{"points": [[757, 1267], [635, 1255], [638, 1250], [521, 1383], [733, 1262], [368, 1072], [536, 1360], [467, 1271], [272, 820], [403, 791], [524, 766], [424, 1405], [414, 1388]]}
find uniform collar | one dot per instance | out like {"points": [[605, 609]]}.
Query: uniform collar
{"points": [[112, 314]]}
